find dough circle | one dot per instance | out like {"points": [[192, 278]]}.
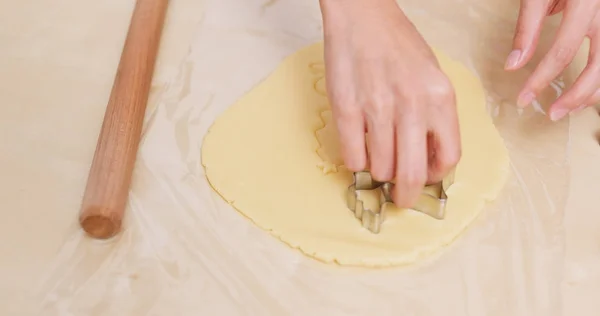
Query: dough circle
{"points": [[274, 157]]}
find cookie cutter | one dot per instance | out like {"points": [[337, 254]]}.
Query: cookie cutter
{"points": [[432, 201]]}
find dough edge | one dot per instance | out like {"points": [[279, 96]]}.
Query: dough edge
{"points": [[424, 254]]}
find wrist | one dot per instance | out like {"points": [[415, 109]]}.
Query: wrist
{"points": [[338, 14]]}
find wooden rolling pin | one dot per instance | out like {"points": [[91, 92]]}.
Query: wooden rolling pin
{"points": [[107, 188]]}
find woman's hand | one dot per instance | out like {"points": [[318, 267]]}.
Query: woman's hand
{"points": [[580, 19], [383, 79]]}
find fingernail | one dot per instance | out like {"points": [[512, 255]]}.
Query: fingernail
{"points": [[525, 99], [558, 114], [513, 59]]}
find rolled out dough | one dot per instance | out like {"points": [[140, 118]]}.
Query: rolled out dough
{"points": [[274, 156]]}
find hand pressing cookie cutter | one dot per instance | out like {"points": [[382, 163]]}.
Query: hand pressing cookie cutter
{"points": [[432, 200]]}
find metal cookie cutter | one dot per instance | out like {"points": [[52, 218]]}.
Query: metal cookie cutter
{"points": [[432, 200]]}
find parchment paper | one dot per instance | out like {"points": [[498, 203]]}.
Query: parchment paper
{"points": [[186, 252]]}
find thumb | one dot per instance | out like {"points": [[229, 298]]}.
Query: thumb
{"points": [[529, 24]]}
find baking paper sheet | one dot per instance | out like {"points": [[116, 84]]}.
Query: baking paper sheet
{"points": [[186, 252]]}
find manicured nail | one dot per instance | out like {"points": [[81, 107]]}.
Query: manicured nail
{"points": [[558, 114], [513, 59], [525, 99]]}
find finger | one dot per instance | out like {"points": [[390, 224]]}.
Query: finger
{"points": [[556, 6], [444, 147], [351, 129], [529, 24], [381, 147], [584, 87], [411, 157], [580, 108], [594, 99], [569, 38], [443, 137]]}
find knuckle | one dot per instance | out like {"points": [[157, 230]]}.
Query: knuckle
{"points": [[347, 111], [562, 55], [380, 107], [412, 179], [442, 91]]}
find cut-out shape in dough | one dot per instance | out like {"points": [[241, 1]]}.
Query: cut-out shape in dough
{"points": [[329, 145], [266, 155]]}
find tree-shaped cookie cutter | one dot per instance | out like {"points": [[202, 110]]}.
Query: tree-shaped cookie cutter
{"points": [[432, 200]]}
